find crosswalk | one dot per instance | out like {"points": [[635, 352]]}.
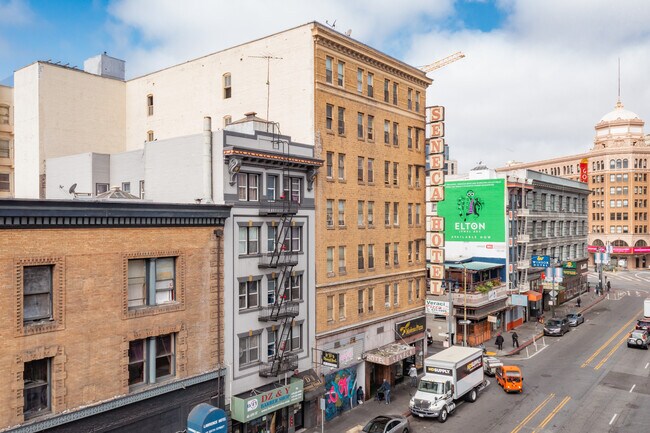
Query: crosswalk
{"points": [[642, 276]]}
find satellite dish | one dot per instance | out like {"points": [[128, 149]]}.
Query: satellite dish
{"points": [[72, 188], [348, 33]]}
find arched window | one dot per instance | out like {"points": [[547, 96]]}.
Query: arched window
{"points": [[625, 163], [619, 163], [227, 86], [149, 135], [619, 242], [612, 164], [640, 243]]}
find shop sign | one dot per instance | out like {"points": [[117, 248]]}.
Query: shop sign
{"points": [[244, 410], [492, 319], [205, 418], [569, 265], [438, 370], [346, 356], [540, 261], [439, 308], [570, 272], [329, 359], [584, 172], [521, 300], [411, 327]]}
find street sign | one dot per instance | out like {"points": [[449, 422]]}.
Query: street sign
{"points": [[540, 261], [553, 293], [464, 322]]}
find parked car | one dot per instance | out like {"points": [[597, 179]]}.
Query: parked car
{"points": [[575, 319], [387, 424], [510, 378], [639, 338], [643, 324], [556, 327]]}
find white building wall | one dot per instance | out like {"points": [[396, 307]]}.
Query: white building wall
{"points": [[128, 167], [185, 93], [26, 132], [65, 171]]}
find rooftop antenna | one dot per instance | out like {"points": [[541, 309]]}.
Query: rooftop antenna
{"points": [[332, 25], [268, 83], [619, 80]]}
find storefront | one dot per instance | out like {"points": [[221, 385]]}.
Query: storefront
{"points": [[273, 409], [386, 362], [482, 321], [412, 332], [535, 306], [313, 391]]}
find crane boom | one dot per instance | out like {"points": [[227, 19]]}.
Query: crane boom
{"points": [[442, 62]]}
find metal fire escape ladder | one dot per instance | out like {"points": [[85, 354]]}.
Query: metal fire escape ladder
{"points": [[522, 228]]}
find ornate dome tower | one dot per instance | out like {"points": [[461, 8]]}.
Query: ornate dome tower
{"points": [[619, 128]]}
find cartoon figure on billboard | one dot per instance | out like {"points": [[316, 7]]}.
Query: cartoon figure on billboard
{"points": [[469, 206]]}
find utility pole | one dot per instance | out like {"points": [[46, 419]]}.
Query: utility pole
{"points": [[465, 309]]}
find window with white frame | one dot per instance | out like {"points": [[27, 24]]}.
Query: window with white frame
{"points": [[152, 360], [249, 240], [126, 187], [249, 294], [271, 187], [292, 188], [395, 93], [371, 127], [396, 214], [387, 213], [330, 260], [227, 86], [370, 82], [360, 132], [329, 212], [271, 238], [330, 164], [396, 253], [330, 308], [360, 80], [371, 256], [37, 389], [361, 162], [271, 343], [417, 101], [101, 188], [409, 136], [340, 73], [418, 211], [341, 120], [371, 213], [341, 305], [395, 293], [295, 338], [249, 350], [152, 281], [295, 287], [293, 241], [386, 90], [409, 99], [248, 186], [360, 258], [341, 212], [328, 69], [329, 116], [371, 299], [271, 289], [360, 299], [371, 170], [341, 167], [360, 213], [341, 259], [386, 132], [387, 295], [37, 293], [395, 173], [150, 106]]}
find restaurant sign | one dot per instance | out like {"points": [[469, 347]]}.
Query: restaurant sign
{"points": [[411, 327], [244, 410], [330, 359]]}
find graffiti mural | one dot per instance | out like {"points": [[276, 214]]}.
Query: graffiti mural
{"points": [[340, 390]]}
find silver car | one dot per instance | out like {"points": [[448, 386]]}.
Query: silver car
{"points": [[387, 424], [575, 319]]}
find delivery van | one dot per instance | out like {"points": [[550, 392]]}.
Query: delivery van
{"points": [[510, 378]]}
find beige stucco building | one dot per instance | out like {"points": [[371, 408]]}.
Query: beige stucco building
{"points": [[616, 168], [6, 142]]}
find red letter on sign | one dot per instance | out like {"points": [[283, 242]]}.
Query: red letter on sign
{"points": [[437, 224], [436, 145]]}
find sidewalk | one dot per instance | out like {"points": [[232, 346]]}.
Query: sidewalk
{"points": [[533, 330]]}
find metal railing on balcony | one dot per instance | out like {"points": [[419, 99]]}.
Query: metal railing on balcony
{"points": [[281, 206], [288, 363], [475, 299], [279, 311], [286, 258], [523, 238]]}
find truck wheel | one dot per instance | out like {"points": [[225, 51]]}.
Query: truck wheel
{"points": [[443, 415], [472, 396], [405, 430]]}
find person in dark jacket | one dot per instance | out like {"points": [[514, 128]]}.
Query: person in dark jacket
{"points": [[515, 339], [360, 395], [499, 342]]}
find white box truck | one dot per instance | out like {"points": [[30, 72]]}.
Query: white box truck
{"points": [[450, 375], [646, 308]]}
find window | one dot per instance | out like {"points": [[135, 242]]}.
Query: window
{"points": [[395, 91], [247, 186], [340, 70], [409, 252], [292, 189], [395, 293], [5, 150], [5, 184], [249, 294], [293, 241], [386, 172], [341, 305], [328, 69], [387, 295], [418, 208], [371, 256], [330, 260], [271, 343], [142, 189], [370, 84], [227, 88], [341, 259], [371, 170], [417, 289], [396, 253], [360, 80], [360, 299], [271, 187], [395, 171], [151, 281], [360, 167], [249, 240], [329, 116], [126, 186], [371, 213], [360, 213], [37, 393], [249, 349], [101, 188], [330, 164], [341, 212], [371, 299], [396, 214], [409, 175], [371, 123], [341, 166], [395, 134], [387, 254], [330, 213], [330, 308], [387, 213], [227, 120], [294, 288], [4, 115], [271, 238], [151, 359], [417, 138], [360, 133], [409, 214], [417, 101], [150, 106], [361, 262], [341, 120], [271, 289], [386, 90], [386, 132], [409, 137], [295, 338], [409, 290], [417, 176], [37, 293], [417, 250]]}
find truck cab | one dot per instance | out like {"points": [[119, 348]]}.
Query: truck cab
{"points": [[433, 395], [510, 378]]}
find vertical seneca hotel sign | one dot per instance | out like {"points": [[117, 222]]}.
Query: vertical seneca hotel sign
{"points": [[435, 193]]}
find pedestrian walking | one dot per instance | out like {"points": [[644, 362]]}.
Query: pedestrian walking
{"points": [[588, 288], [499, 341], [609, 286], [360, 395], [385, 388], [515, 340], [413, 374], [578, 302]]}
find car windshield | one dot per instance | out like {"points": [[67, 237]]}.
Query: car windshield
{"points": [[513, 376], [572, 316], [377, 425], [432, 387], [637, 334], [553, 323]]}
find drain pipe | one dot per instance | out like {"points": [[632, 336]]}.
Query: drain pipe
{"points": [[218, 233], [207, 160]]}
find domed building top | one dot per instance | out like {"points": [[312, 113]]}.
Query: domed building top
{"points": [[619, 113]]}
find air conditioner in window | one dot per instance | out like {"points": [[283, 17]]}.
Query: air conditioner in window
{"points": [[387, 305]]}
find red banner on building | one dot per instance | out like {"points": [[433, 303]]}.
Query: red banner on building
{"points": [[584, 174]]}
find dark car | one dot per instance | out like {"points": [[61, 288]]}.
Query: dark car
{"points": [[639, 338], [387, 424], [556, 327], [643, 324], [575, 319]]}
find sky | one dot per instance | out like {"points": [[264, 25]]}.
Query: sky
{"points": [[537, 76]]}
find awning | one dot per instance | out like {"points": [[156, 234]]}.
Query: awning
{"points": [[474, 266], [389, 354], [313, 387], [534, 296]]}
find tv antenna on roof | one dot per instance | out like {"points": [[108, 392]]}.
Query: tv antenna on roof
{"points": [[332, 25], [268, 83]]}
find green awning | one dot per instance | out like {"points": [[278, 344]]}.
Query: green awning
{"points": [[474, 266]]}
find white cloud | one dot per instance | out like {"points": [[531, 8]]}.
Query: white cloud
{"points": [[533, 89], [14, 12]]}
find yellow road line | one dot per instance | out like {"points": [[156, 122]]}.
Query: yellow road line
{"points": [[601, 348], [533, 413], [550, 416], [610, 353]]}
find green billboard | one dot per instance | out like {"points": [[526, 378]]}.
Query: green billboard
{"points": [[474, 210]]}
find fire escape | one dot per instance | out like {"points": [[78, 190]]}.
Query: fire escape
{"points": [[523, 238], [282, 260]]}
